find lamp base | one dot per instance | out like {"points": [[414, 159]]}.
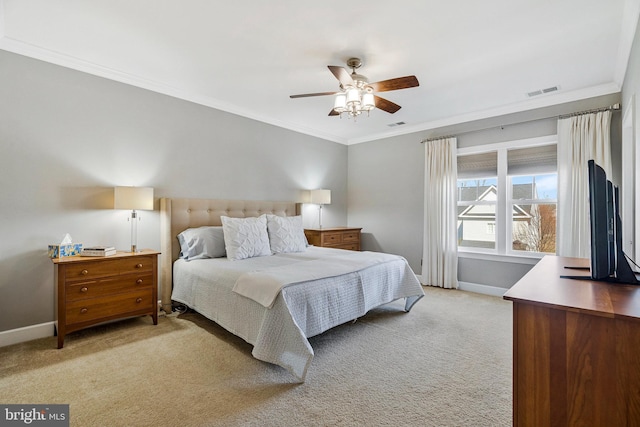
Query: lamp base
{"points": [[134, 232]]}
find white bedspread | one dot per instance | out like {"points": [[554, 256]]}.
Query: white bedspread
{"points": [[263, 286], [279, 334]]}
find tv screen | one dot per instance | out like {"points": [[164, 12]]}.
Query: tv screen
{"points": [[608, 260], [601, 222]]}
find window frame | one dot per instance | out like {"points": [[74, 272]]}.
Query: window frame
{"points": [[503, 248]]}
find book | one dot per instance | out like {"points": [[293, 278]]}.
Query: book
{"points": [[98, 251]]}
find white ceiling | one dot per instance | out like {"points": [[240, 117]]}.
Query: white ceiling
{"points": [[474, 59]]}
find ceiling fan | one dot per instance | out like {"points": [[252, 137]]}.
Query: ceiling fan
{"points": [[357, 95]]}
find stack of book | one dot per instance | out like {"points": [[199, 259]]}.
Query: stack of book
{"points": [[98, 251]]}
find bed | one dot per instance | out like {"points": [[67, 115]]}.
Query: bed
{"points": [[275, 301]]}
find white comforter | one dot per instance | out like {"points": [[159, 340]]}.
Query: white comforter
{"points": [[301, 310]]}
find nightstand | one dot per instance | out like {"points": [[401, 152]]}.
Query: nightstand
{"points": [[92, 290], [337, 237]]}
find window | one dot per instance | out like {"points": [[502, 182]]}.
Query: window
{"points": [[507, 197], [477, 199]]}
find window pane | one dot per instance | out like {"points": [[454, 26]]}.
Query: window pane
{"points": [[476, 226], [534, 228], [470, 190], [535, 187], [477, 213]]}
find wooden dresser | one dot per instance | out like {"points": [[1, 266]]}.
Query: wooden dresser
{"points": [[91, 290], [337, 237], [576, 349]]}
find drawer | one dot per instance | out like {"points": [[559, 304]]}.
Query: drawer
{"points": [[94, 269], [108, 286], [118, 305], [350, 247], [331, 238], [351, 236]]}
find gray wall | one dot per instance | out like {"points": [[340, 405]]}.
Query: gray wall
{"points": [[386, 182], [67, 138]]}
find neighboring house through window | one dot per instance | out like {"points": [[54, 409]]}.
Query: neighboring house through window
{"points": [[507, 197]]}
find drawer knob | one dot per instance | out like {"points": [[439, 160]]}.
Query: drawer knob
{"points": [[139, 265], [84, 310], [139, 281], [138, 300], [84, 272], [84, 289]]}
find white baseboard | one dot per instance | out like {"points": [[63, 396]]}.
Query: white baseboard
{"points": [[28, 333], [477, 288], [482, 289]]}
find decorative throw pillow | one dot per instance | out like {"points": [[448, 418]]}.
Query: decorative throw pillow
{"points": [[286, 234], [202, 242], [245, 237]]}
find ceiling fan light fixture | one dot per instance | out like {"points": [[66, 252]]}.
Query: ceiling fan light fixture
{"points": [[357, 95]]}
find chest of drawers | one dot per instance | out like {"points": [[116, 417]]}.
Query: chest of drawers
{"points": [[337, 237], [92, 290]]}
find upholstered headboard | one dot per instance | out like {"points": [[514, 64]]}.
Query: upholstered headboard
{"points": [[176, 215]]}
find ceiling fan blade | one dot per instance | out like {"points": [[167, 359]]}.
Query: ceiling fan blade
{"points": [[395, 84], [333, 113], [386, 105], [341, 74], [306, 95]]}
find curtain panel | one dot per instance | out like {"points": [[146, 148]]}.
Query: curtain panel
{"points": [[440, 247], [580, 139]]}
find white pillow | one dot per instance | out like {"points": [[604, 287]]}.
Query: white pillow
{"points": [[202, 242], [245, 237], [286, 234]]}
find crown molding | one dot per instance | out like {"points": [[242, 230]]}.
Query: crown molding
{"points": [[532, 104], [36, 52]]}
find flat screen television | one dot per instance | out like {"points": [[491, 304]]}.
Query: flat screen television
{"points": [[608, 261]]}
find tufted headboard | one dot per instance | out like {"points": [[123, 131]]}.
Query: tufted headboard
{"points": [[176, 215]]}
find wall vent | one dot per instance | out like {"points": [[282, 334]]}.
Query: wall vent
{"points": [[396, 124], [542, 91]]}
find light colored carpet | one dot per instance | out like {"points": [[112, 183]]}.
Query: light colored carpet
{"points": [[446, 363]]}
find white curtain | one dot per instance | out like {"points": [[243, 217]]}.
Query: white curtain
{"points": [[580, 139], [440, 247]]}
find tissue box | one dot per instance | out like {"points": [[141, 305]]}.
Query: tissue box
{"points": [[69, 249]]}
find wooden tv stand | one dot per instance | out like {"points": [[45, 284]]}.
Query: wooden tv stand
{"points": [[576, 349]]}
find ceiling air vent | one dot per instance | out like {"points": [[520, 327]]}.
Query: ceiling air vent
{"points": [[541, 91], [396, 124]]}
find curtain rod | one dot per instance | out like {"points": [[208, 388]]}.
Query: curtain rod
{"points": [[614, 107]]}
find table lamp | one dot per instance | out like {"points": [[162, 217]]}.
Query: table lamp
{"points": [[320, 197], [133, 198]]}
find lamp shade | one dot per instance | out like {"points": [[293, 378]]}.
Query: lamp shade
{"points": [[320, 197], [368, 101], [340, 103], [353, 96], [133, 198]]}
